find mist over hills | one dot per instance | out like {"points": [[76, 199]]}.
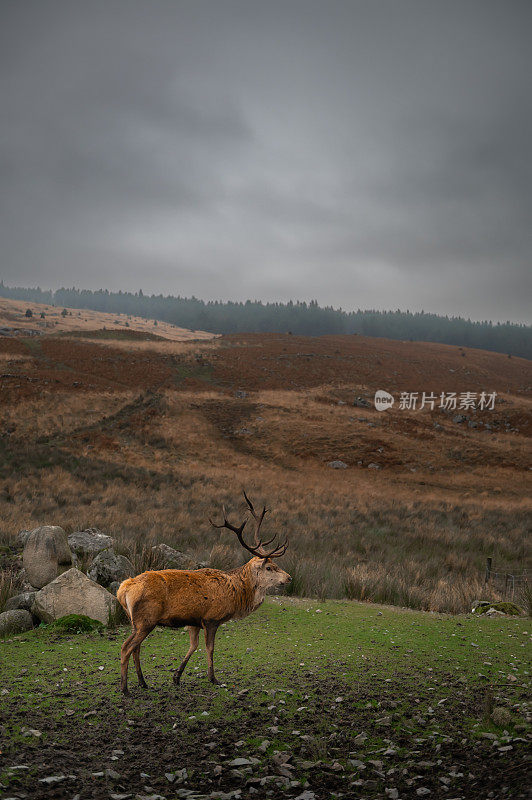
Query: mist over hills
{"points": [[301, 318]]}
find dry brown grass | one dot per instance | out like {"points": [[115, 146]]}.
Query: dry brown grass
{"points": [[149, 467], [180, 347], [10, 584], [12, 314]]}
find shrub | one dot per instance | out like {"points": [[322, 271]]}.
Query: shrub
{"points": [[75, 623]]}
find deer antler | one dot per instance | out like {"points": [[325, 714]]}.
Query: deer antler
{"points": [[258, 549]]}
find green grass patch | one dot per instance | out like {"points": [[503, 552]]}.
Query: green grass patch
{"points": [[329, 684], [75, 623]]}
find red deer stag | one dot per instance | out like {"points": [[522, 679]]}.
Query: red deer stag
{"points": [[202, 598]]}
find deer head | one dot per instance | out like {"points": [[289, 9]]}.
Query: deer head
{"points": [[268, 575]]}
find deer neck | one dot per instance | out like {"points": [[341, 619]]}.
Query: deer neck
{"points": [[250, 593]]}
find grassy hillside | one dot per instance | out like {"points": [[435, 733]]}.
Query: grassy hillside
{"points": [[147, 439], [52, 319], [352, 699]]}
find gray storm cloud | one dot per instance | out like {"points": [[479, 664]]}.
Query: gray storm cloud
{"points": [[366, 154]]}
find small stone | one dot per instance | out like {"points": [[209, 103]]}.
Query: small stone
{"points": [[51, 779], [31, 732]]}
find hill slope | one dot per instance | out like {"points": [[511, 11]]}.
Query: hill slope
{"points": [[13, 318], [146, 439]]}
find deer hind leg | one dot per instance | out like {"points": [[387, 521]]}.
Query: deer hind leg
{"points": [[128, 648], [136, 659], [210, 633], [193, 632]]}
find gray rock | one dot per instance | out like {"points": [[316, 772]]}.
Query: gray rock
{"points": [[25, 585], [337, 465], [89, 542], [459, 418], [46, 555], [74, 593], [108, 567], [374, 466], [22, 537], [360, 402], [113, 587], [15, 621], [23, 600], [173, 559], [240, 394]]}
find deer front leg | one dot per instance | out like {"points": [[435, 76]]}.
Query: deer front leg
{"points": [[210, 633], [194, 638]]}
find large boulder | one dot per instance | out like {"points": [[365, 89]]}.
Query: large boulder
{"points": [[89, 542], [15, 621], [46, 555], [74, 593], [168, 558], [108, 567], [23, 600]]}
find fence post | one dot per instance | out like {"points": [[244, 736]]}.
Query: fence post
{"points": [[488, 569], [506, 582]]}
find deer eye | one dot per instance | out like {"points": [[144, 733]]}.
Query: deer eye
{"points": [[269, 569]]}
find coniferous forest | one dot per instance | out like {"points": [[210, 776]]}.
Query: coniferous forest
{"points": [[300, 318]]}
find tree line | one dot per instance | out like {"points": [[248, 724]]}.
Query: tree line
{"points": [[307, 319]]}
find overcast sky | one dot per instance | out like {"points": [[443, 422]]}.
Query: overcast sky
{"points": [[367, 153]]}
